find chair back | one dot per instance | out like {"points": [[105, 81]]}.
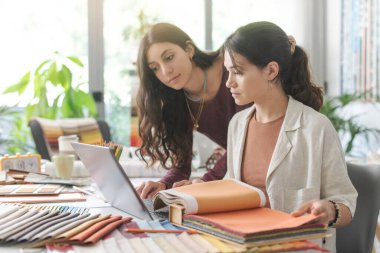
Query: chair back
{"points": [[45, 132], [359, 235]]}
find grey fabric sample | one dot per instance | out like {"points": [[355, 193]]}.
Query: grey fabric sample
{"points": [[26, 215], [74, 224], [41, 226], [8, 210], [42, 234], [22, 224], [29, 227], [62, 226], [13, 216]]}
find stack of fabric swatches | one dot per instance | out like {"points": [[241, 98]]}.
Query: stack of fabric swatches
{"points": [[32, 227], [167, 238]]}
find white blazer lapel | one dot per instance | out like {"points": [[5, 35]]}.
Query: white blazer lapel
{"points": [[282, 148], [243, 125], [292, 122]]}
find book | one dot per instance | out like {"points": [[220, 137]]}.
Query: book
{"points": [[234, 211]]}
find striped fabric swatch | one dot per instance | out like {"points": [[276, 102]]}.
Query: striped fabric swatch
{"points": [[58, 208], [165, 244], [184, 242]]}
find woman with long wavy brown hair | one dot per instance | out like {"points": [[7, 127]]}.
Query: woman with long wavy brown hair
{"points": [[181, 90]]}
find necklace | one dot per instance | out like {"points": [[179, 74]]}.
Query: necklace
{"points": [[196, 118]]}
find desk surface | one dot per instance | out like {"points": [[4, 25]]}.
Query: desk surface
{"points": [[95, 205]]}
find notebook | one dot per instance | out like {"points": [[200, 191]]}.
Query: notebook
{"points": [[113, 182]]}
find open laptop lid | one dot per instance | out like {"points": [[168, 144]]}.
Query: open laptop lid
{"points": [[111, 179]]}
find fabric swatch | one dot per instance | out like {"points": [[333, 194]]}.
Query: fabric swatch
{"points": [[82, 236], [81, 227], [106, 230], [111, 245], [223, 247], [48, 223], [151, 245], [36, 223], [13, 216], [177, 243], [138, 245], [125, 246], [190, 243], [21, 225], [96, 248], [204, 243], [45, 233], [132, 224], [164, 245], [5, 211]]}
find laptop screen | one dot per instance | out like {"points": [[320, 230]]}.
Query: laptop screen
{"points": [[111, 179]]}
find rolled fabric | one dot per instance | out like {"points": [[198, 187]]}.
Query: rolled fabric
{"points": [[55, 220], [35, 224], [7, 211], [80, 228], [82, 236], [9, 218], [106, 230], [22, 224], [49, 232]]}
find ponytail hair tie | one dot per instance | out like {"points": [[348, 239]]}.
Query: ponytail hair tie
{"points": [[292, 42]]}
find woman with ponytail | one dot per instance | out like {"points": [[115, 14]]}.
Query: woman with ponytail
{"points": [[282, 144]]}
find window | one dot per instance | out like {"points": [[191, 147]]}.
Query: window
{"points": [[34, 32], [360, 48]]}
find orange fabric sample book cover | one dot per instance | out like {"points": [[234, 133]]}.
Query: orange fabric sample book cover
{"points": [[233, 210]]}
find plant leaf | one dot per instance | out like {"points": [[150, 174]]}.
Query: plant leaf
{"points": [[76, 60], [20, 86]]}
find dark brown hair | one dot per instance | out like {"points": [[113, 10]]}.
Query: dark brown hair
{"points": [[165, 126], [263, 42]]}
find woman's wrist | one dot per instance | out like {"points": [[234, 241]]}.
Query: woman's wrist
{"points": [[336, 214]]}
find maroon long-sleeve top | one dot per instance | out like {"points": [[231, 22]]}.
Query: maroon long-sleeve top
{"points": [[213, 123]]}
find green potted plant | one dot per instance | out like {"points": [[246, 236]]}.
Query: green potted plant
{"points": [[57, 93], [56, 73], [12, 135], [347, 126]]}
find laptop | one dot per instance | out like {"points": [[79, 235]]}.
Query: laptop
{"points": [[113, 182]]}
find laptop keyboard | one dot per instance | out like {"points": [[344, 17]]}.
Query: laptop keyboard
{"points": [[162, 214]]}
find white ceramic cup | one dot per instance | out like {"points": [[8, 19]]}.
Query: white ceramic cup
{"points": [[64, 164]]}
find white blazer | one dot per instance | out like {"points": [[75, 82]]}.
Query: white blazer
{"points": [[307, 163]]}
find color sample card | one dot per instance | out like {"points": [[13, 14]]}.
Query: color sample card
{"points": [[30, 189]]}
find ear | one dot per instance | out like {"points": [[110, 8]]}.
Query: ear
{"points": [[190, 50], [272, 70]]}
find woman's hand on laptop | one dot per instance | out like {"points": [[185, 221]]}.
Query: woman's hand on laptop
{"points": [[186, 182], [149, 188]]}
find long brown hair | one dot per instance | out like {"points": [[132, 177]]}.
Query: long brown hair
{"points": [[165, 126], [263, 42]]}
